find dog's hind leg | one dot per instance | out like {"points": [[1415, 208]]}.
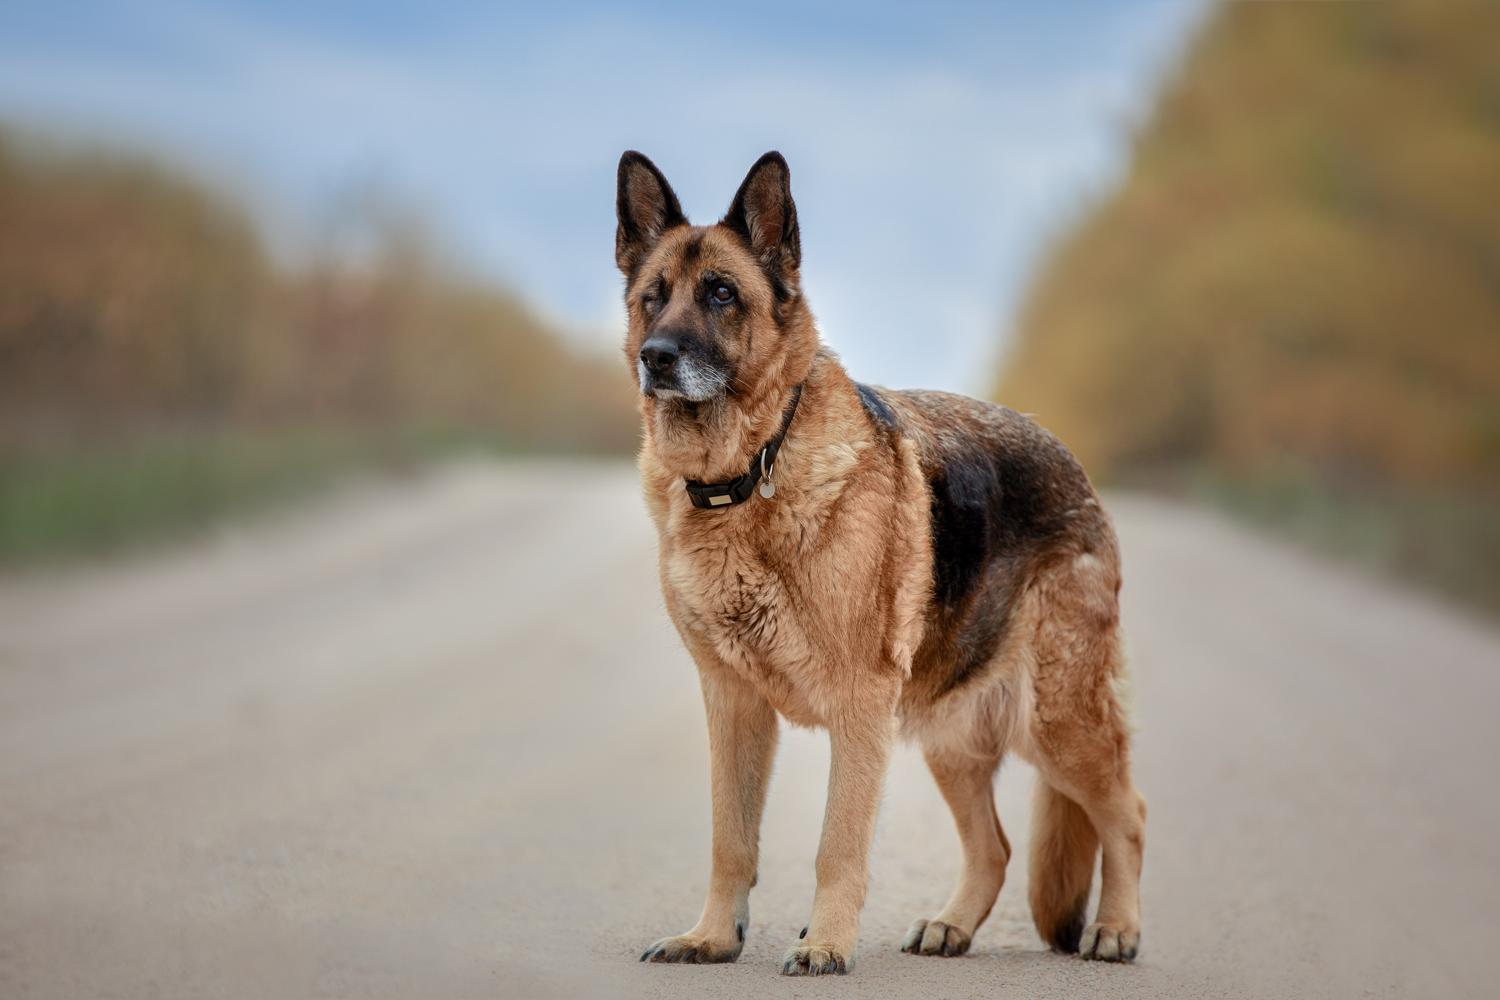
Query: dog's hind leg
{"points": [[1117, 815], [967, 783], [1080, 744], [742, 745]]}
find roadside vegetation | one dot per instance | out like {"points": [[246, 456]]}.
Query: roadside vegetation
{"points": [[1290, 305], [158, 369]]}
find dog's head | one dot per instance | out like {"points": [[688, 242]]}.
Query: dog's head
{"points": [[715, 311]]}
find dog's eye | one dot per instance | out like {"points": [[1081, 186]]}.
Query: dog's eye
{"points": [[722, 295]]}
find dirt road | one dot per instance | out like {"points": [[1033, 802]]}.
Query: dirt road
{"points": [[438, 739]]}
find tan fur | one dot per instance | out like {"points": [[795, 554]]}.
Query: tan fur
{"points": [[1063, 850], [820, 605]]}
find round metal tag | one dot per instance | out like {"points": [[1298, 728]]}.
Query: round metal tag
{"points": [[768, 489]]}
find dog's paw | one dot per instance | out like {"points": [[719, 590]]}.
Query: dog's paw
{"points": [[1110, 942], [694, 949], [805, 959], [933, 937]]}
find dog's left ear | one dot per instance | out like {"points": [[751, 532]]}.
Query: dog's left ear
{"points": [[765, 215]]}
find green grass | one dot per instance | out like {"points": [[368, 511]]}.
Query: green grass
{"points": [[83, 501], [1446, 542], [87, 501]]}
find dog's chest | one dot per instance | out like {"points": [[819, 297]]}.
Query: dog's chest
{"points": [[729, 596]]}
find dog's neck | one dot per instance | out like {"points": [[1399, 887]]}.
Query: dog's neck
{"points": [[715, 441]]}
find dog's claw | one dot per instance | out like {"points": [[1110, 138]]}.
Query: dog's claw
{"points": [[933, 937], [815, 960], [1109, 943], [692, 950]]}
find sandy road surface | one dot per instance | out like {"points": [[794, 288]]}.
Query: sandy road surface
{"points": [[438, 739]]}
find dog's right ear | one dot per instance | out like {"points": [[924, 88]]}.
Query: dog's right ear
{"points": [[645, 207]]}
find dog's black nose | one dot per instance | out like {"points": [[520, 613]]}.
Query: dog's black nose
{"points": [[659, 355]]}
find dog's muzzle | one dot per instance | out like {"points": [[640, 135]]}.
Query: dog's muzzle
{"points": [[665, 369]]}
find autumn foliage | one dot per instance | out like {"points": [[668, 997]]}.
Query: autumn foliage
{"points": [[135, 301], [1302, 264]]}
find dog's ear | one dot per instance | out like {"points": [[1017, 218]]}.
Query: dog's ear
{"points": [[645, 207], [765, 215]]}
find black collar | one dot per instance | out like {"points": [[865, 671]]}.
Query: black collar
{"points": [[738, 490]]}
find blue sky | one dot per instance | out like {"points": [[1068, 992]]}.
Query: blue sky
{"points": [[934, 148]]}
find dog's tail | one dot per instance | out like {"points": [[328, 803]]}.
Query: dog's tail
{"points": [[1063, 847]]}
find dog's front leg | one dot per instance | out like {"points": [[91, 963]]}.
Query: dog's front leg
{"points": [[861, 743], [741, 745]]}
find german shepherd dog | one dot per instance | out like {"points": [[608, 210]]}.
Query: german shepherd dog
{"points": [[869, 561]]}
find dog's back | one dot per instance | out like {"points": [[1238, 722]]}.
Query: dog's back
{"points": [[1006, 498]]}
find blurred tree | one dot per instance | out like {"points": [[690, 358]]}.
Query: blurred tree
{"points": [[125, 295], [1302, 264], [133, 300]]}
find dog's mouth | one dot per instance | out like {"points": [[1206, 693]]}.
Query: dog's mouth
{"points": [[659, 386], [688, 381]]}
